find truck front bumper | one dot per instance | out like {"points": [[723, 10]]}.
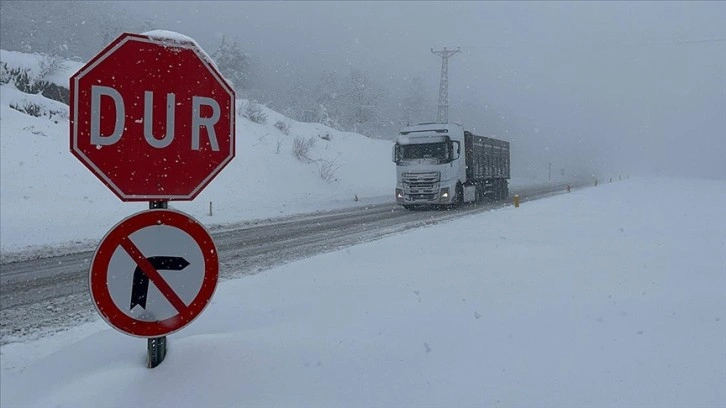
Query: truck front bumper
{"points": [[442, 196]]}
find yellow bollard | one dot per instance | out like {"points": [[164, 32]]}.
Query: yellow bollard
{"points": [[516, 201]]}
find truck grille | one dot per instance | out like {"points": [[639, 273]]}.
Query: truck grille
{"points": [[421, 186]]}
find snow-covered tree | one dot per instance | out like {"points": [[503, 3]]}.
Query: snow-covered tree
{"points": [[327, 92], [415, 103], [296, 101], [233, 63], [70, 29], [361, 103]]}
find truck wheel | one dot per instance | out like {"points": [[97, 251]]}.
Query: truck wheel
{"points": [[459, 195], [500, 190]]}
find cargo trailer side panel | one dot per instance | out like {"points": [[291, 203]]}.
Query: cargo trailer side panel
{"points": [[486, 158]]}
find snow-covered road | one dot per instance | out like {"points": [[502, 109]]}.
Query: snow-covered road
{"points": [[41, 296]]}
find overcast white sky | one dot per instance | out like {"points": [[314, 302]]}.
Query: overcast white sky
{"points": [[604, 87], [624, 78]]}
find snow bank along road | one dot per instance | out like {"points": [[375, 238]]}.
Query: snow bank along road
{"points": [[46, 295]]}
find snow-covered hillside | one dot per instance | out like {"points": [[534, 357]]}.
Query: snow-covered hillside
{"points": [[49, 198]]}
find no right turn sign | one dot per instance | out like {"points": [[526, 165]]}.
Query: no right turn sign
{"points": [[154, 273]]}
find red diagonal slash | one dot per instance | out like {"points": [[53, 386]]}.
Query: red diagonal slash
{"points": [[153, 275]]}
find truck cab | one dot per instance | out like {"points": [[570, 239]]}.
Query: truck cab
{"points": [[429, 165]]}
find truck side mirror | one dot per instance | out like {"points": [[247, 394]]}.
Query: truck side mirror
{"points": [[394, 153], [456, 150]]}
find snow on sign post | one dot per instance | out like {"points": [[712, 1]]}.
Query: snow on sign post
{"points": [[153, 119]]}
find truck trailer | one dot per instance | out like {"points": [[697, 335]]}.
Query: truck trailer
{"points": [[443, 164]]}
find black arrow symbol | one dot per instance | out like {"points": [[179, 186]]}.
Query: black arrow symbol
{"points": [[140, 287]]}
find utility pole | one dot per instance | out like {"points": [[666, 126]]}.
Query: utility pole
{"points": [[443, 116]]}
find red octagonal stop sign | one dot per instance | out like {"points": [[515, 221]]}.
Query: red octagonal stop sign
{"points": [[152, 118]]}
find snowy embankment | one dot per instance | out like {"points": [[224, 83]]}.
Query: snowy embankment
{"points": [[613, 296], [49, 198]]}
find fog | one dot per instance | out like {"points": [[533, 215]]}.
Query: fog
{"points": [[605, 89]]}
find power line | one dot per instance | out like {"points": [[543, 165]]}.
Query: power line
{"points": [[594, 45], [698, 41]]}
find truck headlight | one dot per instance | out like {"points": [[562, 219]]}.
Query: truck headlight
{"points": [[399, 193], [444, 193]]}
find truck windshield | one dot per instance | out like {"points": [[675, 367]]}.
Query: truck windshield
{"points": [[424, 151]]}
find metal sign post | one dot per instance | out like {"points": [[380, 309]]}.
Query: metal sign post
{"points": [[156, 347]]}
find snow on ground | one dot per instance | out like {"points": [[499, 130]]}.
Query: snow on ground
{"points": [[613, 296], [36, 64]]}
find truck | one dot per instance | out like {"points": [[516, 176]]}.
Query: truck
{"points": [[441, 164]]}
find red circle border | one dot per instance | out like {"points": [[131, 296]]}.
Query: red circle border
{"points": [[98, 275]]}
